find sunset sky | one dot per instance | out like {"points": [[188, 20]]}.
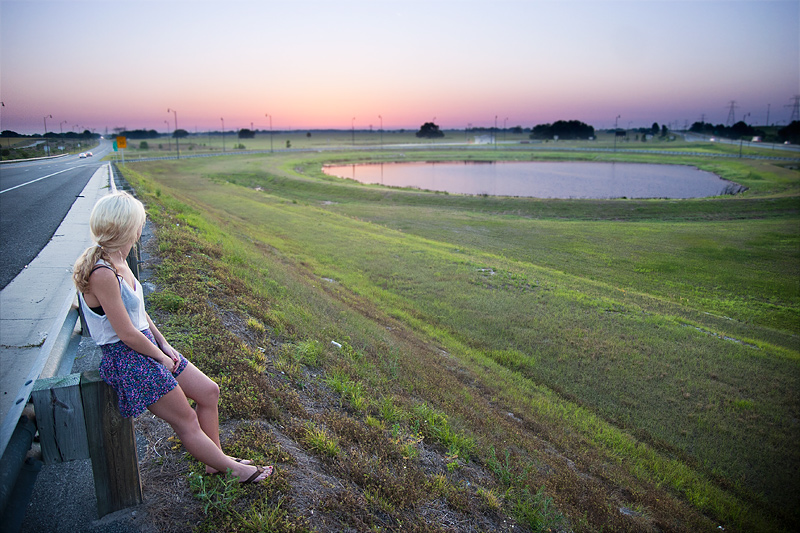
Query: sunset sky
{"points": [[341, 64]]}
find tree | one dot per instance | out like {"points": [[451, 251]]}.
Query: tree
{"points": [[791, 132], [664, 130], [742, 129], [244, 133], [429, 130], [654, 128], [563, 129], [180, 134]]}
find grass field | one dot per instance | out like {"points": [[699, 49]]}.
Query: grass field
{"points": [[326, 140], [651, 342]]}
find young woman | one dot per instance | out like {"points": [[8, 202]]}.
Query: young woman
{"points": [[137, 361]]}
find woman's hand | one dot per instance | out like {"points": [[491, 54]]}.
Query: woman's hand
{"points": [[169, 362], [173, 357]]}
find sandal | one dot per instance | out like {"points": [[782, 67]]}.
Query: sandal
{"points": [[259, 470], [237, 459]]}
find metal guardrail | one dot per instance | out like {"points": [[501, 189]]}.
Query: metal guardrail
{"points": [[54, 360], [4, 161], [53, 357]]}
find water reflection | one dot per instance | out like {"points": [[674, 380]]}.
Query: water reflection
{"points": [[543, 179]]}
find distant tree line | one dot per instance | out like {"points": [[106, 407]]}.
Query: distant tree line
{"points": [[86, 134], [139, 134], [563, 129], [739, 130]]}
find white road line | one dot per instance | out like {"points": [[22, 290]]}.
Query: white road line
{"points": [[34, 181]]}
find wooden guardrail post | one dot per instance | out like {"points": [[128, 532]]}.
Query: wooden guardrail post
{"points": [[59, 418], [112, 447]]}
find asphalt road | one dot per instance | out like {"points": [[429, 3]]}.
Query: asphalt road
{"points": [[35, 196]]}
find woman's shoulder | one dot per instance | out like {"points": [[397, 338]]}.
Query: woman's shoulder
{"points": [[102, 273]]}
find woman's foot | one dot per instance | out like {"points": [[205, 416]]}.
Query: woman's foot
{"points": [[259, 474], [212, 471]]}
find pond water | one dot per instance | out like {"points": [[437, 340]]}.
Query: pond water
{"points": [[544, 179]]}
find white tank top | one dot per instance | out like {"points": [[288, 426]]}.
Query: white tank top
{"points": [[133, 299]]}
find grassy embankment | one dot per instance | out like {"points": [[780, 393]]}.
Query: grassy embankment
{"points": [[637, 355]]}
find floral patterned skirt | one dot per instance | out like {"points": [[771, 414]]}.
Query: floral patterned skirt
{"points": [[139, 380]]}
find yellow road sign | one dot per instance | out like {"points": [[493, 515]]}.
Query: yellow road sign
{"points": [[122, 142]]}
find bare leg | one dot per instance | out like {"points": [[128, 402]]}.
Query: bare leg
{"points": [[205, 392], [176, 411]]}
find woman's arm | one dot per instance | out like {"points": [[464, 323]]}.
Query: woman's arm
{"points": [[104, 285], [161, 340]]}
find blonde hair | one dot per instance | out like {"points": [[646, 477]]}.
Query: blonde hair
{"points": [[115, 223]]}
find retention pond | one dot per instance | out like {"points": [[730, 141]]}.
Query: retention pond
{"points": [[543, 179]]}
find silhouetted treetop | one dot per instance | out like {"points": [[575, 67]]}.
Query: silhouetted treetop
{"points": [[429, 130], [564, 129]]}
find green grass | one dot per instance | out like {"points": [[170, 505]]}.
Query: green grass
{"points": [[402, 140], [655, 336]]}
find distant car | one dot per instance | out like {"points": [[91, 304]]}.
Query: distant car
{"points": [[82, 156], [88, 154], [712, 139]]}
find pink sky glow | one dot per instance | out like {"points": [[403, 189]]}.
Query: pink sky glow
{"points": [[100, 65]]}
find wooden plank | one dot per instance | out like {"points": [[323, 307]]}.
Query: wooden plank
{"points": [[59, 418], [115, 462]]}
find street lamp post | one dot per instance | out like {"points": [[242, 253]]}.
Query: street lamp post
{"points": [[270, 131], [3, 104], [740, 137], [169, 139], [616, 122], [61, 128], [177, 144], [223, 134], [46, 145], [380, 117]]}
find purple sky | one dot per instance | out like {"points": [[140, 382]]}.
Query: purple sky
{"points": [[338, 64]]}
